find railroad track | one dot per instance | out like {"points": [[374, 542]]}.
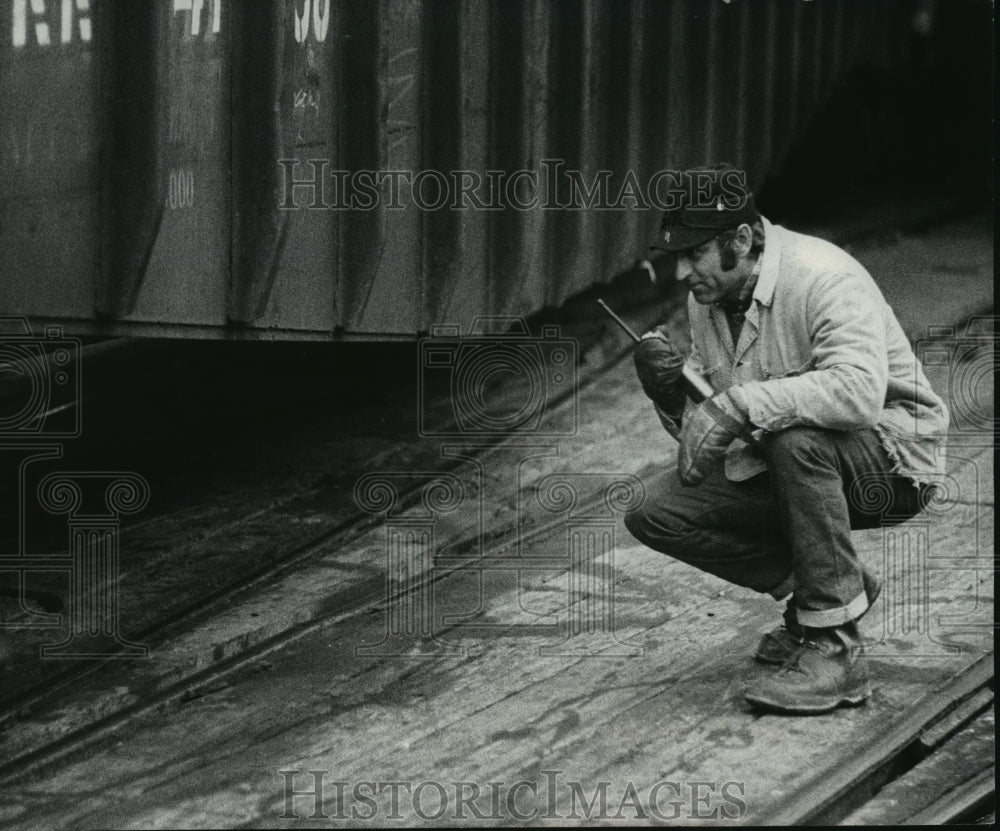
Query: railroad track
{"points": [[912, 740], [935, 725], [202, 607], [938, 724], [212, 678]]}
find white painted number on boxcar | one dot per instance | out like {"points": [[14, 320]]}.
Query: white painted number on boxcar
{"points": [[180, 191], [194, 9], [315, 12], [35, 17]]}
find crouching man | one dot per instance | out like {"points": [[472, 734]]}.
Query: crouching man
{"points": [[820, 406]]}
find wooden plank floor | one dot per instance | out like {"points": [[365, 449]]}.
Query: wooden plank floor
{"points": [[658, 703], [649, 715]]}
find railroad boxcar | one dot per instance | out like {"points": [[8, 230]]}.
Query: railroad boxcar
{"points": [[226, 168]]}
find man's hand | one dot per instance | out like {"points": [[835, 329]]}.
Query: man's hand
{"points": [[658, 364], [708, 431]]}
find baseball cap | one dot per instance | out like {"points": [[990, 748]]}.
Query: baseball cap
{"points": [[711, 200]]}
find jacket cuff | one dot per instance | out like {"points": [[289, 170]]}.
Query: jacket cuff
{"points": [[762, 416]]}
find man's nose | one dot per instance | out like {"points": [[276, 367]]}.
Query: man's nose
{"points": [[683, 267]]}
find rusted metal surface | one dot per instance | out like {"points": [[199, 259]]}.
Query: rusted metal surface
{"points": [[166, 166], [50, 112], [150, 148]]}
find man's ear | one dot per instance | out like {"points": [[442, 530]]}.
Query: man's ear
{"points": [[743, 240]]}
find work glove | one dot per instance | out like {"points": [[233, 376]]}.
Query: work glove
{"points": [[658, 363], [708, 430]]}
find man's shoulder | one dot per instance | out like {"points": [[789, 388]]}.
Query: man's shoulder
{"points": [[815, 270], [806, 255]]}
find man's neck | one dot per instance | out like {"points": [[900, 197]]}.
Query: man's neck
{"points": [[742, 296]]}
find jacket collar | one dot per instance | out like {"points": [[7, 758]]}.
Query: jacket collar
{"points": [[770, 263]]}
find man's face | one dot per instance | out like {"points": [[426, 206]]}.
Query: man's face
{"points": [[701, 269]]}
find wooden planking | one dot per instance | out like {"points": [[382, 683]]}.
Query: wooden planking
{"points": [[966, 803], [938, 788], [819, 800], [954, 721], [502, 711]]}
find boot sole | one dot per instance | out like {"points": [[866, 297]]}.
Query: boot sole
{"points": [[853, 699]]}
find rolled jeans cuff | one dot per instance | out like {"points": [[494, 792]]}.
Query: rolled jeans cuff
{"points": [[825, 618], [784, 588]]}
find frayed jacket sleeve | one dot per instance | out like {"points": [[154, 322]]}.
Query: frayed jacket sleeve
{"points": [[845, 387]]}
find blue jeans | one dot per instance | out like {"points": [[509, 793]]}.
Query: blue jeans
{"points": [[787, 530]]}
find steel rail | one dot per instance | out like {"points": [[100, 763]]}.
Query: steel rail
{"points": [[209, 678], [833, 793], [204, 606]]}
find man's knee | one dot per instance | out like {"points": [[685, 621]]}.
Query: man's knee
{"points": [[642, 526], [658, 529], [797, 444], [635, 521]]}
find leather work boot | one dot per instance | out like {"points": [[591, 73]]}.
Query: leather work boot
{"points": [[778, 645], [826, 670]]}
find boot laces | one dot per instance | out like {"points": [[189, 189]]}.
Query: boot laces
{"points": [[792, 661]]}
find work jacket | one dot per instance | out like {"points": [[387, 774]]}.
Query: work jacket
{"points": [[820, 347]]}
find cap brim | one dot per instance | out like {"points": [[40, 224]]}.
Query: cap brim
{"points": [[683, 237]]}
